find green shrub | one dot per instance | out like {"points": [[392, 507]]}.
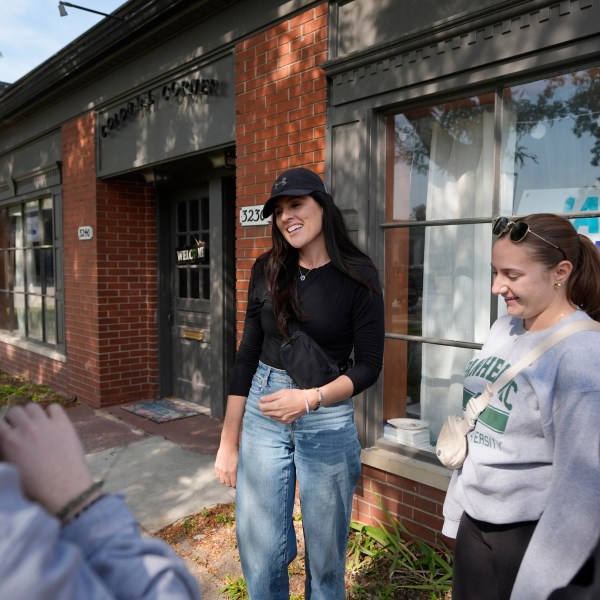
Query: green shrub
{"points": [[386, 562]]}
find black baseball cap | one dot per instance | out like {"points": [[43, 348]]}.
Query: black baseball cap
{"points": [[295, 182]]}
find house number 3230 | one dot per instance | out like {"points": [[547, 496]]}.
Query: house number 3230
{"points": [[252, 215]]}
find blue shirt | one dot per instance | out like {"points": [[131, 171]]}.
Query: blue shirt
{"points": [[99, 555]]}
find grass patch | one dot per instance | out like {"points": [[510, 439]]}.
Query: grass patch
{"points": [[15, 389], [385, 562]]}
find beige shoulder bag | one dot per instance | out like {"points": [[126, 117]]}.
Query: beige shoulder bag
{"points": [[451, 447]]}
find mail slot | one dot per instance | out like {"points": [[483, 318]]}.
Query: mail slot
{"points": [[193, 334]]}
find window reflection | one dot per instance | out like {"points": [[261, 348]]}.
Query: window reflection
{"points": [[551, 147], [445, 184], [27, 271], [442, 169]]}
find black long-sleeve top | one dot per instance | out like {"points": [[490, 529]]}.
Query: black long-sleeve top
{"points": [[342, 315]]}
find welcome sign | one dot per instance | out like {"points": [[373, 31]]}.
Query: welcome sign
{"points": [[190, 255]]}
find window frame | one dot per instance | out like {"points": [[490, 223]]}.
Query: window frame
{"points": [[380, 117], [14, 337]]}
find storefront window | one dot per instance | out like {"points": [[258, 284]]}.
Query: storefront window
{"points": [[446, 182], [27, 271], [551, 148]]}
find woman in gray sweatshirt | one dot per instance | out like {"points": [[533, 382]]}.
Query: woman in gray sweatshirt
{"points": [[525, 506]]}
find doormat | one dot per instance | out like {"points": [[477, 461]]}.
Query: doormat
{"points": [[161, 411]]}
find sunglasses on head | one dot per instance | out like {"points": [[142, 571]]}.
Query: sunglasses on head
{"points": [[518, 232]]}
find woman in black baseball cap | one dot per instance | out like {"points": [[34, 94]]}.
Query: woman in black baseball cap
{"points": [[295, 182], [315, 279]]}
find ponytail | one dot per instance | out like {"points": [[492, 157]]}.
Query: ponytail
{"points": [[584, 282]]}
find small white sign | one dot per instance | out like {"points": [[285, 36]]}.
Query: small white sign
{"points": [[252, 215], [85, 233]]}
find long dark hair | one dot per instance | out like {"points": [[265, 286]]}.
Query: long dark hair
{"points": [[583, 285], [281, 262]]}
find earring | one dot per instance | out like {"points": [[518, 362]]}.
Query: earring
{"points": [[557, 284]]}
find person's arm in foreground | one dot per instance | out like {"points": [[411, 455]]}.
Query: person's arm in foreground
{"points": [[98, 553]]}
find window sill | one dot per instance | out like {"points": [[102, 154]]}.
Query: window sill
{"points": [[13, 340], [421, 471]]}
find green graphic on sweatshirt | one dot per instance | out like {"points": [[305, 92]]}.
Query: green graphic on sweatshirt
{"points": [[494, 418], [490, 368]]}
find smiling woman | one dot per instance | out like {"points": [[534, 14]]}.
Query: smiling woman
{"points": [[529, 287], [314, 279], [528, 454], [300, 221]]}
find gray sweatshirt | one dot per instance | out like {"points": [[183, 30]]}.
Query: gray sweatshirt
{"points": [[535, 451]]}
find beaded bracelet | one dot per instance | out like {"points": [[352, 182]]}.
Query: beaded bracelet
{"points": [[66, 510]]}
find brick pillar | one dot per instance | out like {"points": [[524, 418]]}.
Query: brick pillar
{"points": [[110, 281], [280, 121], [80, 259]]}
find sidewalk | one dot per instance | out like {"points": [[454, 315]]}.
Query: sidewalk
{"points": [[165, 470]]}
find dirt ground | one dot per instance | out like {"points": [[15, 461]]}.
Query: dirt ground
{"points": [[207, 544]]}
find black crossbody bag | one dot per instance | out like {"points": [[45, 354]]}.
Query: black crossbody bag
{"points": [[307, 363]]}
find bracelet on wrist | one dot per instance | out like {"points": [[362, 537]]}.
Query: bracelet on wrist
{"points": [[77, 504], [306, 401], [319, 399]]}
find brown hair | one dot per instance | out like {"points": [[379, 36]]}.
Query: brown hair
{"points": [[583, 288]]}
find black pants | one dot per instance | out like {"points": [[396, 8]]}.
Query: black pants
{"points": [[487, 558]]}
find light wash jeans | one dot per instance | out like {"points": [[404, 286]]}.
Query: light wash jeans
{"points": [[320, 449]]}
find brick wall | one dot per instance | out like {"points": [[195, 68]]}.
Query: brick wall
{"points": [[80, 258], [281, 97], [110, 281], [417, 506], [127, 291]]}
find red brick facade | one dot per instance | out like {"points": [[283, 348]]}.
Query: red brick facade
{"points": [[110, 281], [417, 506], [280, 120]]}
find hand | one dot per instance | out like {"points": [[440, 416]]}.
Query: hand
{"points": [[226, 465], [46, 449], [285, 405]]}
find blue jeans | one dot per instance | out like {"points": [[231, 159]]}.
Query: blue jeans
{"points": [[321, 450]]}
